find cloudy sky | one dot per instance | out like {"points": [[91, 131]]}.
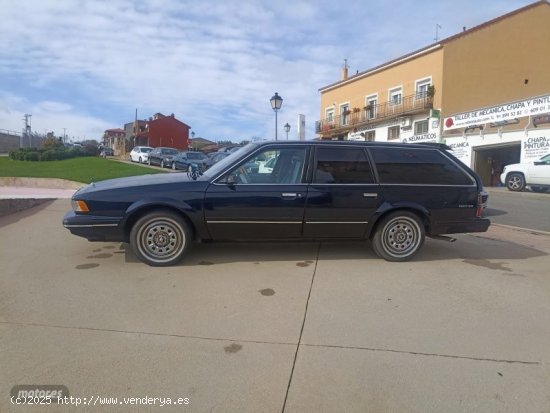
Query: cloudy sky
{"points": [[86, 65]]}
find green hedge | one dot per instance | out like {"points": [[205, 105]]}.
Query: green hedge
{"points": [[57, 154]]}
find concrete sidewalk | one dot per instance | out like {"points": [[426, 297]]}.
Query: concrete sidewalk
{"points": [[19, 193]]}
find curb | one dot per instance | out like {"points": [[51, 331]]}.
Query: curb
{"points": [[520, 229]]}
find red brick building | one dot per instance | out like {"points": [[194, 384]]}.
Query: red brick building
{"points": [[162, 130]]}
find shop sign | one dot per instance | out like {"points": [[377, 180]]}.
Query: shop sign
{"points": [[427, 137], [534, 148], [508, 111], [461, 149]]}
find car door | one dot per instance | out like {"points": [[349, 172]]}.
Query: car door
{"points": [[539, 171], [342, 195], [244, 203]]}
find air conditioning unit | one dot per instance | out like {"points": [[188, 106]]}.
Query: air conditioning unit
{"points": [[406, 123]]}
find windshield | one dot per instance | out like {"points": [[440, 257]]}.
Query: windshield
{"points": [[227, 161], [146, 150]]}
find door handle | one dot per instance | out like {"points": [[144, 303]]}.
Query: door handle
{"points": [[370, 194]]}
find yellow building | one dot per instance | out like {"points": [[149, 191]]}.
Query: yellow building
{"points": [[485, 92]]}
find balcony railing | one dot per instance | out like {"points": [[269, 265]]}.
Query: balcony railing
{"points": [[375, 113]]}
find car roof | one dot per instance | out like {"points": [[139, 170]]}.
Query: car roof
{"points": [[422, 145]]}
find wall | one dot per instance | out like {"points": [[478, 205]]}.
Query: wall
{"points": [[489, 66], [8, 142], [169, 132], [403, 74]]}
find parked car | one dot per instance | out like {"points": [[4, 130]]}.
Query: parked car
{"points": [[162, 157], [393, 194], [215, 157], [182, 160], [106, 152], [533, 174], [140, 154]]}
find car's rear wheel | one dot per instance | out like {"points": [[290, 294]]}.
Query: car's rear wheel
{"points": [[399, 236], [160, 238], [515, 182]]}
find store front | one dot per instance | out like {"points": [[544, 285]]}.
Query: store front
{"points": [[488, 153]]}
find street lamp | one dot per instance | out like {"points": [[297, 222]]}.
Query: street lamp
{"points": [[287, 129], [276, 102]]}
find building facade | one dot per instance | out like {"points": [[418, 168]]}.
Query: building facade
{"points": [[161, 130], [484, 92], [115, 138]]}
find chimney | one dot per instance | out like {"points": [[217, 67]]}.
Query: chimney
{"points": [[345, 70]]}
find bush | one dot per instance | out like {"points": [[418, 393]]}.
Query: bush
{"points": [[31, 156], [49, 154]]}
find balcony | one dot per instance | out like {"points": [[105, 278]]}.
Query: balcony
{"points": [[408, 105]]}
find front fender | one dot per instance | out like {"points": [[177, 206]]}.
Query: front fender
{"points": [[193, 210]]}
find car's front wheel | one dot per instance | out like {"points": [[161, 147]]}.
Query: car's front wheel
{"points": [[160, 238], [399, 236], [515, 182]]}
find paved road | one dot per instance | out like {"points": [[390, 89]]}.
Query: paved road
{"points": [[298, 327], [519, 209]]}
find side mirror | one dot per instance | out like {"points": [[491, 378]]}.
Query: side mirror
{"points": [[231, 180]]}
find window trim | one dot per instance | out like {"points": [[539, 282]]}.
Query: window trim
{"points": [[398, 135], [427, 121], [330, 109], [419, 82], [392, 90], [368, 99], [341, 113]]}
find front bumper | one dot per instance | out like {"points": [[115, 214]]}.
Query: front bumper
{"points": [[94, 228]]}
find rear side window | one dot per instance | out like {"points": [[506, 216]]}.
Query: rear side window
{"points": [[417, 166], [342, 166]]}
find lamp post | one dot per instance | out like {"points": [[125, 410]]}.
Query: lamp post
{"points": [[276, 102], [287, 129]]}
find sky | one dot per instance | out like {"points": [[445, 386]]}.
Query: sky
{"points": [[83, 66]]}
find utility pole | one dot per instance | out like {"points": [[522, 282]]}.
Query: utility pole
{"points": [[26, 131], [437, 26]]}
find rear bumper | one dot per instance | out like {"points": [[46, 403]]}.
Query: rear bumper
{"points": [[94, 228], [459, 227]]}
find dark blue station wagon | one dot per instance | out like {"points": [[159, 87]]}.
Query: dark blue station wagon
{"points": [[393, 194]]}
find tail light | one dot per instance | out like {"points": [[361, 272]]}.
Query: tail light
{"points": [[479, 209]]}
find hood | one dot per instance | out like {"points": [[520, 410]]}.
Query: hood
{"points": [[135, 181]]}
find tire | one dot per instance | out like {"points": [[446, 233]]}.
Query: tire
{"points": [[515, 182], [399, 236], [160, 238], [140, 160], [162, 163]]}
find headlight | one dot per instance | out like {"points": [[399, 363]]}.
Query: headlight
{"points": [[79, 206]]}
